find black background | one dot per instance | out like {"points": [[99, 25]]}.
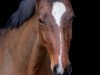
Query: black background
{"points": [[75, 49], [7, 7]]}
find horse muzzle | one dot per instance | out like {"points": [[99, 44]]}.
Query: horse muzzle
{"points": [[67, 71]]}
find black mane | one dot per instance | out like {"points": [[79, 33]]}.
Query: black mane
{"points": [[24, 12]]}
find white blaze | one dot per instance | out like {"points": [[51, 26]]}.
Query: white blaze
{"points": [[60, 68], [57, 11]]}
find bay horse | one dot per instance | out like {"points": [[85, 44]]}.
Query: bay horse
{"points": [[36, 40]]}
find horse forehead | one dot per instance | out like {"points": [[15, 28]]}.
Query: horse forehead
{"points": [[58, 10]]}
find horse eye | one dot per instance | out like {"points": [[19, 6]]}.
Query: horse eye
{"points": [[41, 21]]}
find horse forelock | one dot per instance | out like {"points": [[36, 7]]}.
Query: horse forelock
{"points": [[24, 12]]}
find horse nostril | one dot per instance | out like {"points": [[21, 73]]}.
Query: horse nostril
{"points": [[69, 70], [55, 69]]}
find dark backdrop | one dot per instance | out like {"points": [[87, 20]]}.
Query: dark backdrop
{"points": [[7, 7], [75, 49]]}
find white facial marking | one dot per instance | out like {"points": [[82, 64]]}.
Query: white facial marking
{"points": [[57, 11], [60, 68]]}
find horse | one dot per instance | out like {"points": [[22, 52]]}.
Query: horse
{"points": [[36, 39]]}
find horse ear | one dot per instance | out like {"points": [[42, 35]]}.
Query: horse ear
{"points": [[37, 2], [37, 5]]}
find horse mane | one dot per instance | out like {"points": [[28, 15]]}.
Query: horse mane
{"points": [[25, 10]]}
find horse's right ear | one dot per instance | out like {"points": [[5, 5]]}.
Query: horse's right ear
{"points": [[37, 2]]}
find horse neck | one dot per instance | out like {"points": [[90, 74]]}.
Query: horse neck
{"points": [[21, 47]]}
